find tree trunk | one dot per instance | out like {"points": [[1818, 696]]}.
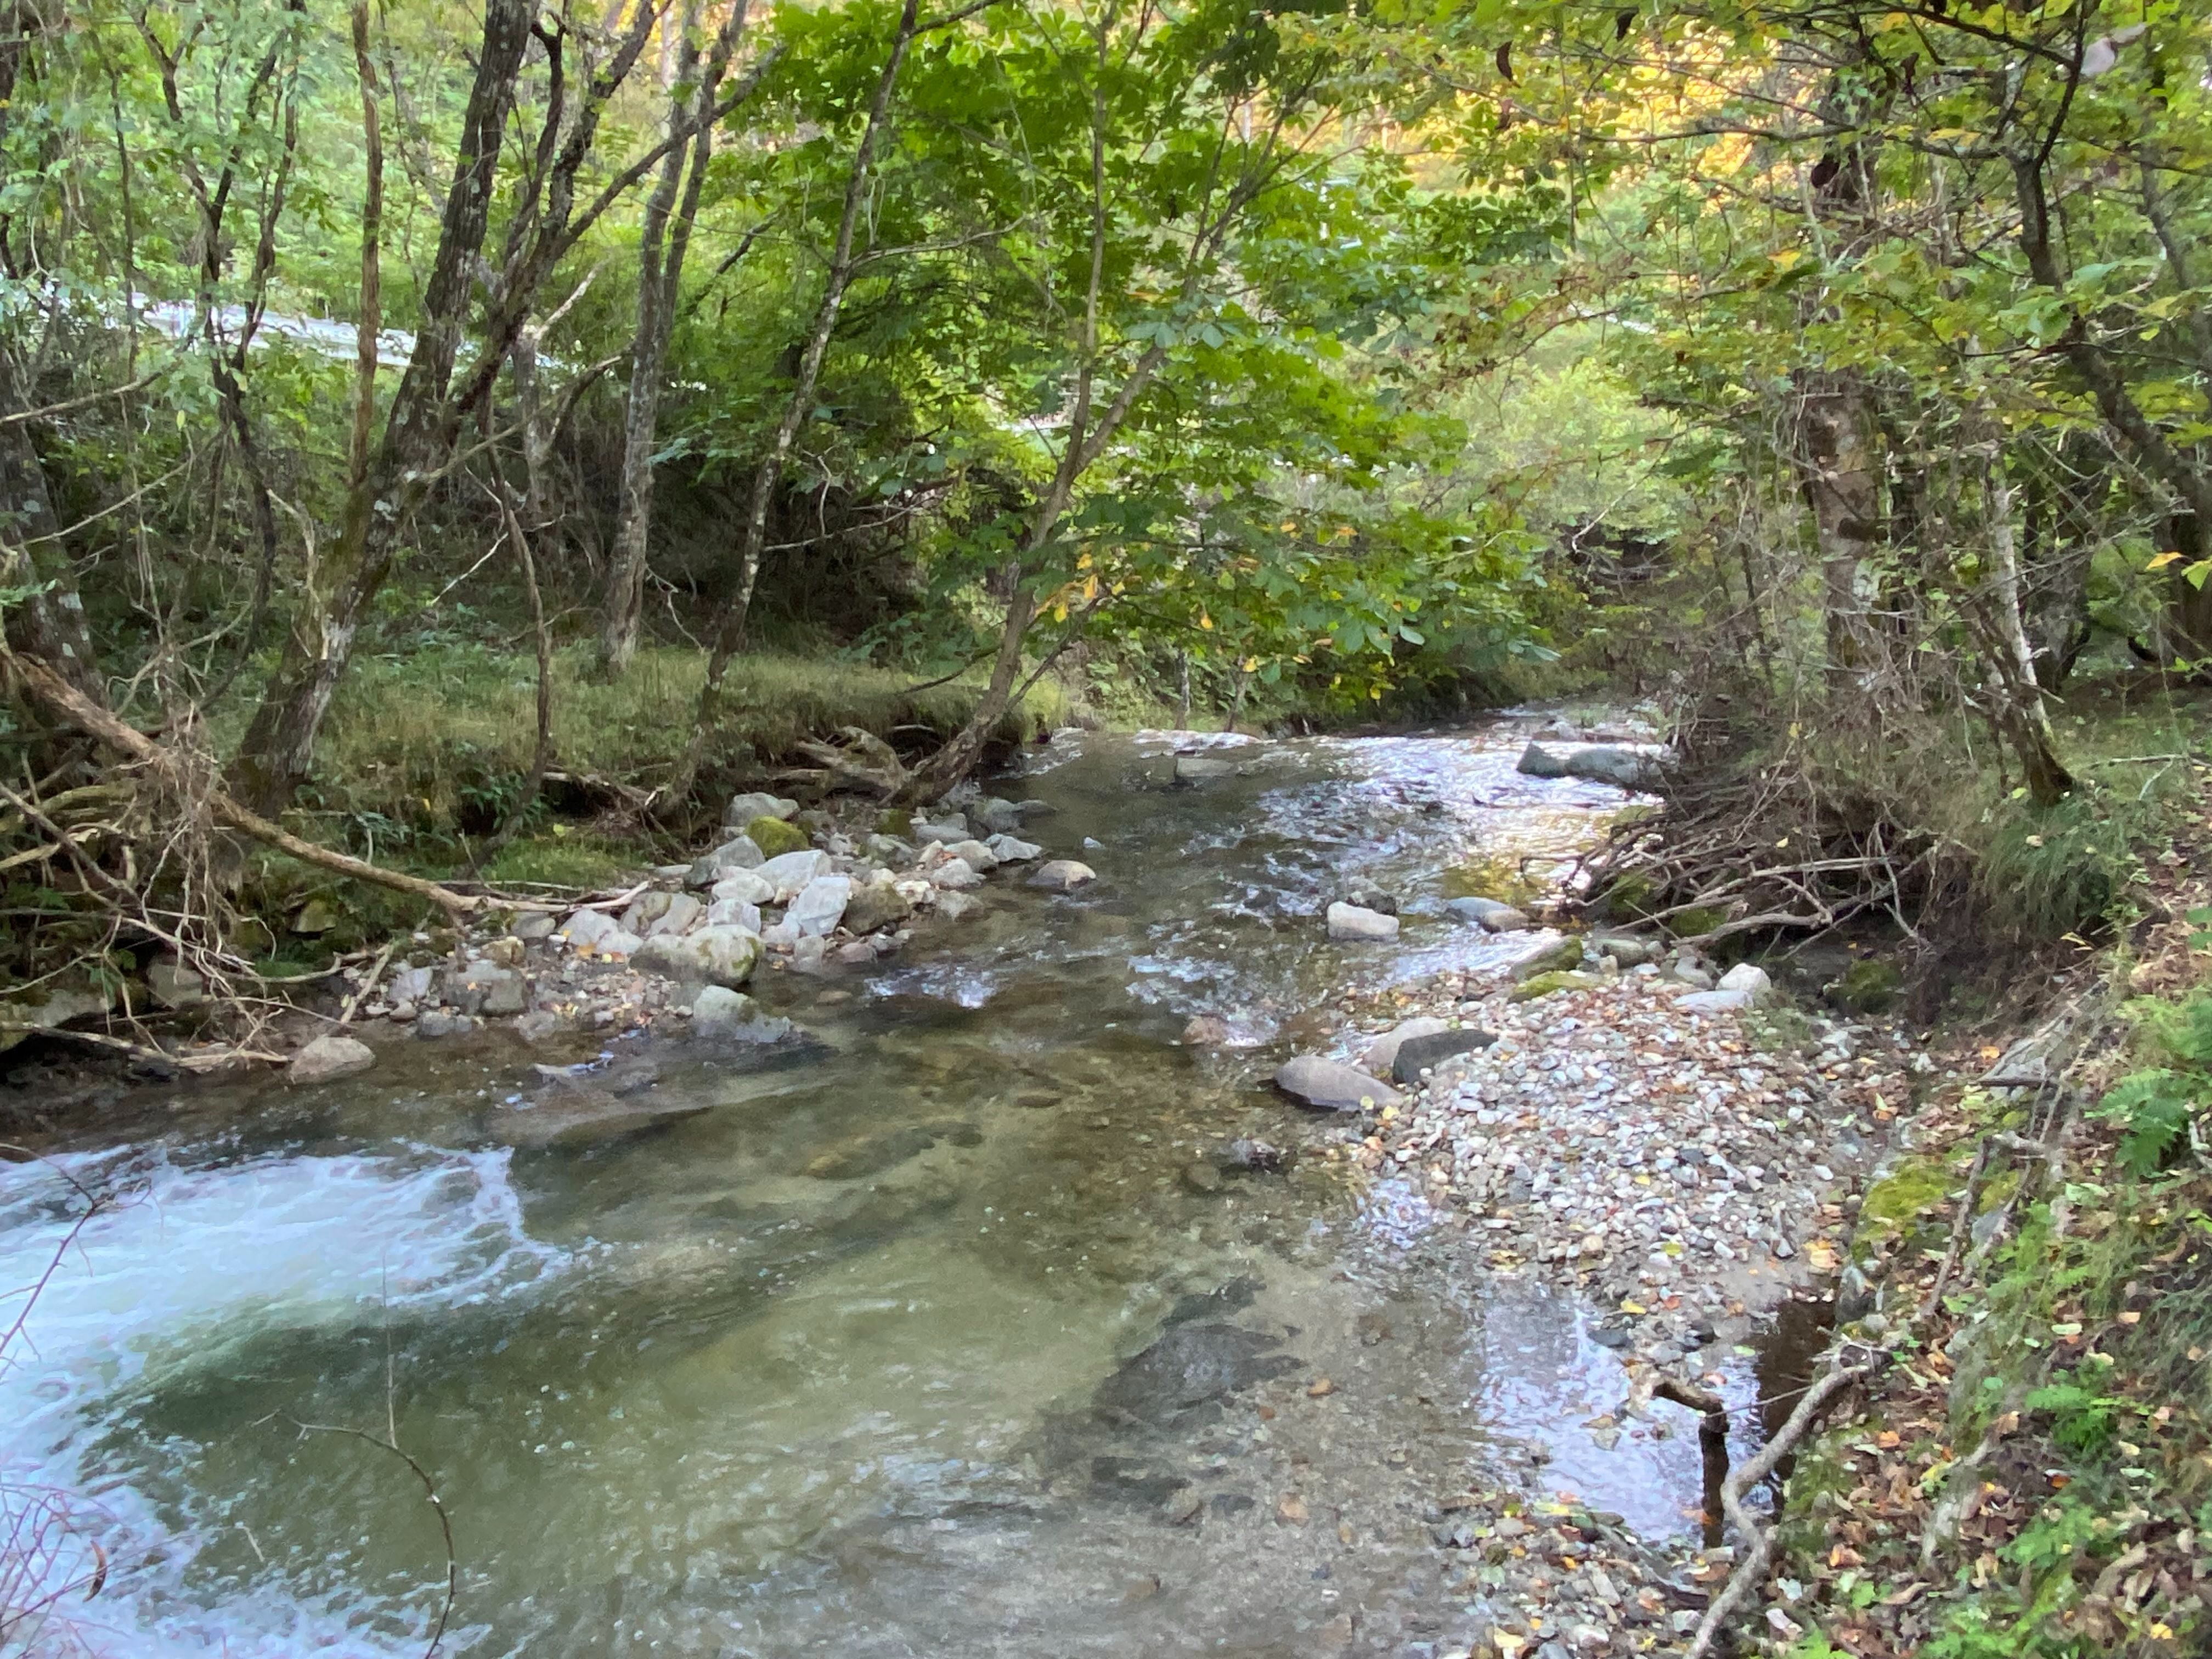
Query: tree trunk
{"points": [[663, 241], [729, 630], [419, 434], [46, 616], [2021, 712], [1842, 480]]}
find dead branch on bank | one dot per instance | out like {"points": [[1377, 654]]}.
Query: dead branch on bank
{"points": [[72, 705], [1758, 1540]]}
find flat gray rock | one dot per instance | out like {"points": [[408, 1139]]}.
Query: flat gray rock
{"points": [[1622, 767], [328, 1057], [1328, 1086]]}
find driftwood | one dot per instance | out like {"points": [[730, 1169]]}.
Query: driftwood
{"points": [[861, 761], [69, 703]]}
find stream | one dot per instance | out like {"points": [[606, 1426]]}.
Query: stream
{"points": [[928, 1337]]}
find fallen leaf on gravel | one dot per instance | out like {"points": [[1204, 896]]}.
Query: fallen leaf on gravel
{"points": [[1290, 1509]]}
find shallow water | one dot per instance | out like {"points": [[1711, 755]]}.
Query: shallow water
{"points": [[917, 1341]]}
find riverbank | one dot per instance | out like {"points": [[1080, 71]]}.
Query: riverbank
{"points": [[1370, 1379]]}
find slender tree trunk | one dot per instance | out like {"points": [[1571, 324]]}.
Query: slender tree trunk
{"points": [[2020, 711], [1842, 480], [729, 629], [663, 241], [279, 744]]}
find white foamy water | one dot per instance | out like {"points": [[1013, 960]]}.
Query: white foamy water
{"points": [[172, 1277]]}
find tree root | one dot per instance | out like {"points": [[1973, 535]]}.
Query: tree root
{"points": [[1759, 1548]]}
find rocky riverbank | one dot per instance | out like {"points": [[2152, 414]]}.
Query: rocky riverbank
{"points": [[1684, 1161]]}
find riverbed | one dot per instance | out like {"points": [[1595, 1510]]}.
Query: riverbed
{"points": [[941, 1332]]}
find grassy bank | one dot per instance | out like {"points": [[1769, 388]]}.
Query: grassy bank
{"points": [[436, 742]]}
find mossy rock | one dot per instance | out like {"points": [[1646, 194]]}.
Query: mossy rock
{"points": [[896, 821], [1566, 954], [1867, 987], [1544, 984], [1695, 921], [774, 837], [1499, 878], [1893, 1203]]}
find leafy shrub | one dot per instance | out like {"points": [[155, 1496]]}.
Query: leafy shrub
{"points": [[2158, 1106]]}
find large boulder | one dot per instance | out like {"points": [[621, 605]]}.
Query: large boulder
{"points": [[755, 804], [734, 913], [1749, 978], [681, 915], [955, 873], [1063, 875], [819, 906], [740, 853], [584, 929], [717, 956], [1598, 762], [1383, 1051], [791, 872], [328, 1057], [1327, 1086], [1424, 1053], [774, 837], [1349, 921], [1199, 768], [749, 885]]}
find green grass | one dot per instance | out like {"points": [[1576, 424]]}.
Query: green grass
{"points": [[442, 738]]}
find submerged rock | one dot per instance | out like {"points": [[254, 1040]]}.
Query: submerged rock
{"points": [[574, 1116], [328, 1057], [1193, 1367], [1198, 768], [1328, 1086], [1350, 922], [1063, 875], [873, 1154], [1623, 767], [1492, 915], [731, 1016]]}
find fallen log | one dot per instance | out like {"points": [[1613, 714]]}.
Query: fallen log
{"points": [[79, 710]]}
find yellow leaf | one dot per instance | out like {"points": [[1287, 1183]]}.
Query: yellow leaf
{"points": [[2164, 560], [1249, 665], [1206, 622], [1631, 1307]]}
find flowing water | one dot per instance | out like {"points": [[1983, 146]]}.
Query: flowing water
{"points": [[922, 1339]]}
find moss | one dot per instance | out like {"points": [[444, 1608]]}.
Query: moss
{"points": [[1918, 1185], [1867, 987], [774, 837], [895, 820], [561, 860], [1499, 878], [1630, 898], [1697, 920], [1544, 984]]}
